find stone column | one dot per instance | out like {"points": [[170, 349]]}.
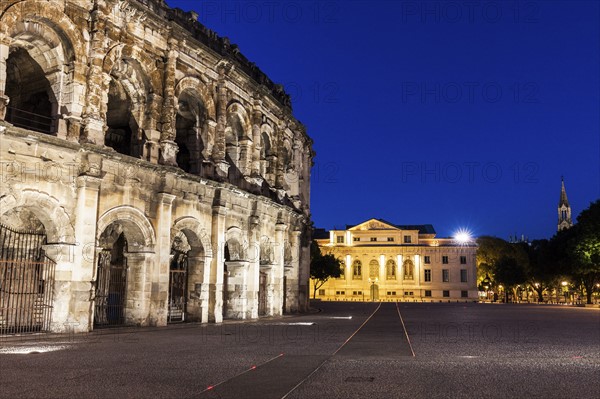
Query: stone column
{"points": [[139, 286], [292, 274], [63, 319], [218, 155], [3, 57], [94, 124], [219, 212], [159, 276], [168, 147], [256, 122], [84, 262], [278, 269], [253, 281], [237, 280], [198, 288]]}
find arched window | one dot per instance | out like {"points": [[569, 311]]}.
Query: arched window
{"points": [[373, 269], [357, 270], [390, 268], [409, 270]]}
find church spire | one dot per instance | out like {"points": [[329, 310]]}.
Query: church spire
{"points": [[564, 209]]}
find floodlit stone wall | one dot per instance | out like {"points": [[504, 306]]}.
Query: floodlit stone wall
{"points": [[130, 120]]}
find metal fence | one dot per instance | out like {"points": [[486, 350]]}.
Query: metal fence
{"points": [[31, 121], [26, 282]]}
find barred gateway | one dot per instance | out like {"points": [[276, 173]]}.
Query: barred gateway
{"points": [[150, 172], [387, 262]]}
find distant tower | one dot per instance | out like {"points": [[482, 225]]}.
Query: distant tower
{"points": [[564, 209]]}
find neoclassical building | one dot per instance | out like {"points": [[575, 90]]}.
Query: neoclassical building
{"points": [[383, 261], [150, 172]]}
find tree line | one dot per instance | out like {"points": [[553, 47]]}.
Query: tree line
{"points": [[570, 260]]}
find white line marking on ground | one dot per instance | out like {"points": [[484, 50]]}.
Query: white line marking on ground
{"points": [[405, 332]]}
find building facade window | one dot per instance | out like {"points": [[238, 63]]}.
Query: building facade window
{"points": [[445, 259], [390, 268], [390, 239], [356, 292], [427, 275], [407, 239], [340, 293], [321, 292], [342, 272], [463, 260], [464, 294], [446, 294], [373, 238], [463, 275], [408, 293], [391, 293], [427, 292], [340, 239], [373, 269], [357, 270], [445, 275], [409, 269], [427, 259], [356, 238]]}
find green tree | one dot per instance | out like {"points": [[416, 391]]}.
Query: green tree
{"points": [[322, 267], [584, 249], [541, 272], [492, 254], [509, 272]]}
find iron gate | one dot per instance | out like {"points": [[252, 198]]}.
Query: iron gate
{"points": [[26, 282], [111, 286], [178, 282]]}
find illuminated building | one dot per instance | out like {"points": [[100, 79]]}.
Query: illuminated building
{"points": [[389, 262]]}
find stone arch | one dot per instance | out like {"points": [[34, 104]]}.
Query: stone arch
{"points": [[390, 269], [197, 235], [56, 221], [137, 228], [46, 47], [268, 156], [374, 269], [357, 270], [238, 138], [198, 259], [234, 244], [127, 93], [194, 124]]}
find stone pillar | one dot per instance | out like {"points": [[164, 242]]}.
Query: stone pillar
{"points": [[152, 120], [3, 57], [63, 320], [253, 281], [236, 306], [292, 274], [159, 276], [278, 269], [218, 155], [139, 287], [256, 122], [219, 211], [84, 262], [168, 147], [94, 124], [198, 288]]}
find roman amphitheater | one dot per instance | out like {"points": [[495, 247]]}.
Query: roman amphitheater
{"points": [[150, 172]]}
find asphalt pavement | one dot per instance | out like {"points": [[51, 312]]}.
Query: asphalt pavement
{"points": [[345, 350]]}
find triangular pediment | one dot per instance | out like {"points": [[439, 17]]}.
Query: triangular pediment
{"points": [[373, 224]]}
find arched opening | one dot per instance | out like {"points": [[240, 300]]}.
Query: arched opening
{"points": [[26, 274], [373, 269], [267, 158], [121, 127], [390, 269], [33, 104], [178, 279], [111, 279], [191, 121]]}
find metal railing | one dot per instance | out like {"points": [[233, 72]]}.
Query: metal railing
{"points": [[30, 120]]}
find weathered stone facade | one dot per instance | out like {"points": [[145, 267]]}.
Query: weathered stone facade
{"points": [[138, 140]]}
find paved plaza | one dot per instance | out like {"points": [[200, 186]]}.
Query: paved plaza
{"points": [[343, 350]]}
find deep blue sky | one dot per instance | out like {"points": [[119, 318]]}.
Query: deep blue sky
{"points": [[458, 114]]}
